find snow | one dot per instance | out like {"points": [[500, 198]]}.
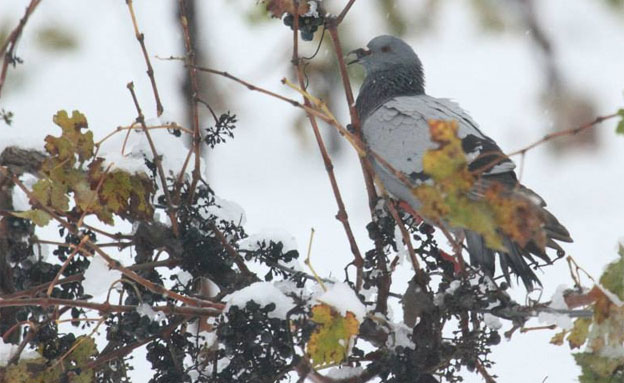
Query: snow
{"points": [[344, 372], [132, 162], [402, 249], [263, 293], [401, 336], [313, 12], [98, 277], [7, 350], [564, 321], [20, 199], [226, 210], [253, 242], [146, 310], [492, 321], [279, 177], [342, 299]]}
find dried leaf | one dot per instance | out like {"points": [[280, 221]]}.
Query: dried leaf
{"points": [[277, 8]]}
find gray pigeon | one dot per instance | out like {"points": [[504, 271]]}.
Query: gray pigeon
{"points": [[394, 111]]}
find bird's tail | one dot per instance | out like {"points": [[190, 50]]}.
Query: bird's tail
{"points": [[516, 259]]}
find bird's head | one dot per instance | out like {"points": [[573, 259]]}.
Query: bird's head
{"points": [[385, 52]]}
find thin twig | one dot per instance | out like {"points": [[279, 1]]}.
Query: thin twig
{"points": [[122, 351], [150, 71], [240, 262], [66, 263], [108, 308], [566, 132], [158, 289], [8, 48], [344, 12], [157, 160], [189, 60], [342, 215]]}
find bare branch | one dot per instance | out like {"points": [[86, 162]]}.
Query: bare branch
{"points": [[8, 48], [150, 71]]}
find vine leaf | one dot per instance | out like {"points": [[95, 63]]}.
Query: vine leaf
{"points": [[603, 333], [38, 370], [620, 126], [451, 197], [37, 216], [330, 341], [72, 172]]}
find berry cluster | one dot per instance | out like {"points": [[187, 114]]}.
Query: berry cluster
{"points": [[307, 25]]}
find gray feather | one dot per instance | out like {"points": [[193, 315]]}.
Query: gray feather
{"points": [[395, 111]]}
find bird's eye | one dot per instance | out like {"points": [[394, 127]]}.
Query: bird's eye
{"points": [[385, 49]]}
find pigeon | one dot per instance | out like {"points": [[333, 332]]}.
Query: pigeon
{"points": [[394, 111]]}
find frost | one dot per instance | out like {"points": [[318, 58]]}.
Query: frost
{"points": [[146, 310], [263, 293], [99, 277], [342, 299], [254, 242]]}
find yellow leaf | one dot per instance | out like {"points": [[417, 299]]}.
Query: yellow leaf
{"points": [[558, 338], [579, 332], [447, 200], [330, 341]]}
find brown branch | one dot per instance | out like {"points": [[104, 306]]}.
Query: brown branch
{"points": [[561, 133], [240, 262], [344, 12], [9, 45], [407, 239], [122, 351], [31, 292], [157, 160], [150, 71], [66, 263], [151, 285], [367, 169], [342, 215], [107, 308], [484, 373], [189, 61]]}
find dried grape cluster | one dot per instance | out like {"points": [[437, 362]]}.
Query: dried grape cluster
{"points": [[307, 25]]}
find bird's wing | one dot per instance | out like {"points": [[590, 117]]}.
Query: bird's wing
{"points": [[483, 154], [398, 131]]}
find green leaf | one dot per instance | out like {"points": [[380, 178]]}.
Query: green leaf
{"points": [[38, 217], [597, 369], [613, 276], [620, 126]]}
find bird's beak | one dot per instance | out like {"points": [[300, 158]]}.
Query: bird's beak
{"points": [[359, 54]]}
